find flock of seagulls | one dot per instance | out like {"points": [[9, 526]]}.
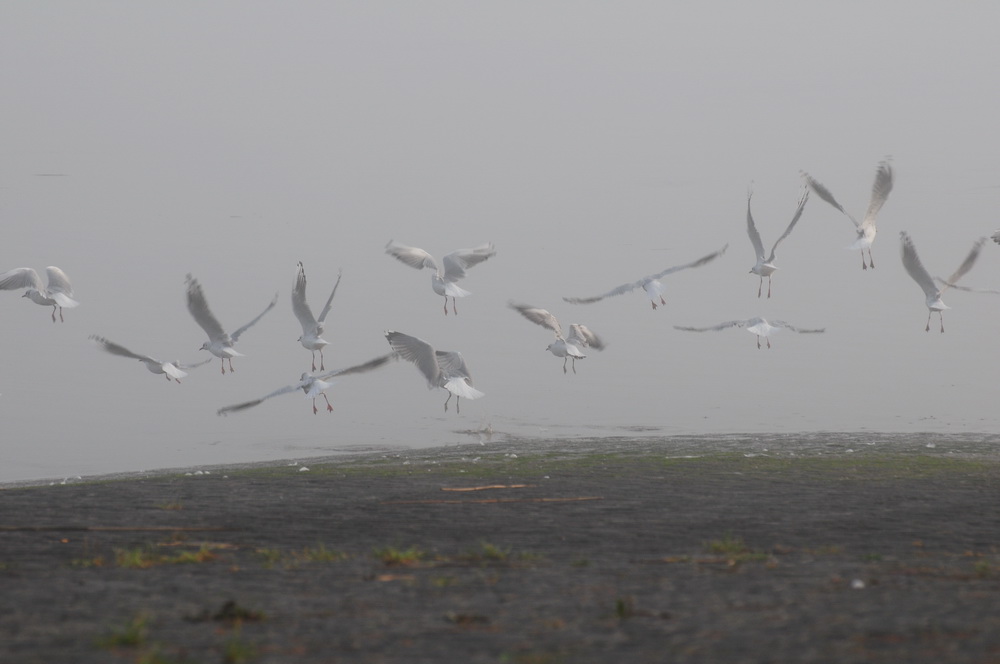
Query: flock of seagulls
{"points": [[448, 369]]}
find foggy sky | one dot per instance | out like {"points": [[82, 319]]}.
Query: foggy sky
{"points": [[592, 143]]}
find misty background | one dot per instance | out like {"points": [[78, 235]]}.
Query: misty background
{"points": [[592, 143]]}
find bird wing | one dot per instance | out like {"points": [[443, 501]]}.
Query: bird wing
{"points": [[783, 324], [173, 370], [117, 349], [457, 262], [191, 366], [58, 281], [299, 305], [825, 194], [967, 289], [625, 288], [236, 335], [795, 219], [452, 364], [412, 256], [758, 246], [967, 264], [880, 192], [198, 306], [329, 302], [250, 404], [417, 351], [698, 263], [20, 277], [915, 268], [714, 328], [359, 368], [581, 335], [538, 317]]}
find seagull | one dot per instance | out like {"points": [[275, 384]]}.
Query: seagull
{"points": [[441, 368], [313, 385], [757, 326], [765, 266], [932, 293], [58, 295], [651, 284], [866, 229], [568, 347], [455, 265], [219, 342], [312, 327], [174, 370]]}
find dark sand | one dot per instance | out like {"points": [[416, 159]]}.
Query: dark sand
{"points": [[630, 557]]}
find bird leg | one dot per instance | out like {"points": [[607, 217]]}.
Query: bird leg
{"points": [[769, 286], [446, 402], [454, 307], [574, 365], [329, 408], [231, 370], [941, 314], [652, 302], [314, 360], [445, 305], [457, 400], [870, 259], [223, 364], [769, 343], [322, 362], [758, 342], [760, 287], [53, 313], [662, 301], [314, 406], [864, 266], [60, 316], [564, 364], [928, 328]]}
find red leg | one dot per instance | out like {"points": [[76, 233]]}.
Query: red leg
{"points": [[231, 370], [329, 408]]}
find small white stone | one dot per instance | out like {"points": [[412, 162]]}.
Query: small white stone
{"points": [[857, 584]]}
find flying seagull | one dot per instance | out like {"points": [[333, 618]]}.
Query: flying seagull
{"points": [[455, 265], [441, 368], [171, 370], [932, 294], [567, 347], [219, 342], [313, 386], [756, 326], [651, 284], [866, 229], [312, 327], [765, 266], [58, 294]]}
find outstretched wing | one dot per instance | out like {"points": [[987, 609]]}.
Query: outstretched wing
{"points": [[581, 335], [58, 282], [360, 368], [825, 194], [198, 306], [758, 246], [795, 219], [714, 328], [117, 349], [251, 404], [880, 192], [412, 256], [626, 288], [20, 277], [329, 301], [457, 262], [784, 325], [538, 317], [915, 268], [191, 366], [418, 351], [299, 305], [967, 264], [236, 335]]}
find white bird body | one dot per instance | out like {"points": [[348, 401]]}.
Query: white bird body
{"points": [[312, 327], [171, 370], [313, 386], [441, 368], [455, 265], [220, 343], [568, 347], [650, 284], [932, 294], [865, 229], [765, 266], [760, 327], [58, 294]]}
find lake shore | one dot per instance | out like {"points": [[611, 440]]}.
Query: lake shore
{"points": [[483, 554]]}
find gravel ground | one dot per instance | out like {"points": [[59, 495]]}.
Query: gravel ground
{"points": [[537, 558]]}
